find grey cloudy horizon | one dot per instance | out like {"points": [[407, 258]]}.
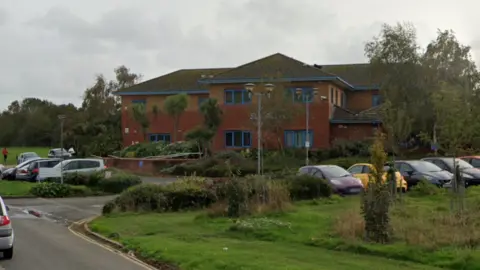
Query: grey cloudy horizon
{"points": [[52, 49]]}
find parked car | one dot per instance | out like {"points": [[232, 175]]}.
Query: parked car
{"points": [[26, 156], [339, 179], [59, 153], [18, 172], [7, 235], [472, 160], [80, 165], [34, 167], [413, 171], [470, 174], [363, 172]]}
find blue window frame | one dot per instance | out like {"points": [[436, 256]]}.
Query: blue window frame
{"points": [[304, 97], [376, 100], [139, 101], [238, 138], [238, 96], [161, 137], [297, 138], [201, 100]]}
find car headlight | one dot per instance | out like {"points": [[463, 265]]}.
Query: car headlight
{"points": [[335, 182]]}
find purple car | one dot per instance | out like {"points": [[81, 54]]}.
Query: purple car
{"points": [[341, 180]]}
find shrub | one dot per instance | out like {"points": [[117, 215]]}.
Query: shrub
{"points": [[118, 183], [188, 193], [51, 190], [424, 188], [76, 179], [306, 187]]}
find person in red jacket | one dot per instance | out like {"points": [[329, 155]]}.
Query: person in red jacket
{"points": [[5, 155]]}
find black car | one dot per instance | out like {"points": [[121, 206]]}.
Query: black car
{"points": [[415, 170], [34, 168], [470, 174]]}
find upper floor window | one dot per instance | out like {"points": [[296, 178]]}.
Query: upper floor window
{"points": [[238, 138], [376, 100], [239, 96], [331, 95], [162, 137], [344, 100], [335, 100], [305, 96]]}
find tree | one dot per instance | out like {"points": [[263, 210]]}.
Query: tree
{"points": [[139, 112], [175, 106], [394, 57], [278, 110], [212, 118]]}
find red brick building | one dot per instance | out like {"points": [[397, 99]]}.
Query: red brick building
{"points": [[345, 106]]}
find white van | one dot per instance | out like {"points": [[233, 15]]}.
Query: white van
{"points": [[78, 165]]}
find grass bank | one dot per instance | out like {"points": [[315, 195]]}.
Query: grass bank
{"points": [[15, 188], [193, 240]]}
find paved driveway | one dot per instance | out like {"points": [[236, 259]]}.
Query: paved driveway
{"points": [[46, 243]]}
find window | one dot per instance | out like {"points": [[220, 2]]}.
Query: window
{"points": [[356, 169], [304, 97], [139, 101], [89, 164], [297, 138], [344, 100], [73, 165], [331, 95], [201, 100], [237, 97], [335, 100], [476, 163], [376, 100], [238, 139], [160, 138], [304, 170], [318, 174]]}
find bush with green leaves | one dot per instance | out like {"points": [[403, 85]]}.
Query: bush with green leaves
{"points": [[188, 193], [424, 188], [306, 187], [118, 183], [51, 190]]}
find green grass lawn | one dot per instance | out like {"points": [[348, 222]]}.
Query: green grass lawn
{"points": [[15, 188], [290, 240], [14, 151]]}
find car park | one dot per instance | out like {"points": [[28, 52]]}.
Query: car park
{"points": [[341, 181], [26, 156], [19, 172], [34, 168], [363, 171], [470, 174], [59, 153], [7, 235], [414, 171], [77, 165]]}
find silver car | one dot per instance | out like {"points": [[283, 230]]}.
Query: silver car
{"points": [[6, 232], [26, 156]]}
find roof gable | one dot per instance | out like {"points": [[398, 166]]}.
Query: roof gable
{"points": [[359, 75], [273, 66]]}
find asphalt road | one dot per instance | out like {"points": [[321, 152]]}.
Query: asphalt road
{"points": [[46, 243]]}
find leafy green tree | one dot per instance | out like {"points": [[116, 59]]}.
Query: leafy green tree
{"points": [[139, 112], [175, 106]]}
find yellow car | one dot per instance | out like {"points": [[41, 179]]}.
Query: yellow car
{"points": [[362, 171]]}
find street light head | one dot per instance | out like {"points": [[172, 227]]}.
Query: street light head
{"points": [[269, 87], [298, 91], [249, 87]]}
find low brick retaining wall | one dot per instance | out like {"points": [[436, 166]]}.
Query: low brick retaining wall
{"points": [[143, 166]]}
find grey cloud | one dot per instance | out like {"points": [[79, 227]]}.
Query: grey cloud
{"points": [[3, 16]]}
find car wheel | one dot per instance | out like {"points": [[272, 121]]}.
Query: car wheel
{"points": [[8, 253]]}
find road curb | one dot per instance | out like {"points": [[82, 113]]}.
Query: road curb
{"points": [[101, 237]]}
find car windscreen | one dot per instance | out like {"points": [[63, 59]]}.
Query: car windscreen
{"points": [[461, 163], [424, 166], [334, 171], [23, 164]]}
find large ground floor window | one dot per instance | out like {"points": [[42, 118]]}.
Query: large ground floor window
{"points": [[298, 138], [238, 138]]}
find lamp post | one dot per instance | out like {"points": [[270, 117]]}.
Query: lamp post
{"points": [[62, 119], [307, 97], [250, 87]]}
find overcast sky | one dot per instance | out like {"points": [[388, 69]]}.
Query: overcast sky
{"points": [[52, 49]]}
